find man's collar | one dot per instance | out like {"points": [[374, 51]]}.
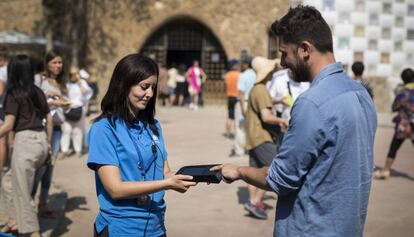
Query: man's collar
{"points": [[328, 70]]}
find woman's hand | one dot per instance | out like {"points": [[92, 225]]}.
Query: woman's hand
{"points": [[180, 183], [61, 103]]}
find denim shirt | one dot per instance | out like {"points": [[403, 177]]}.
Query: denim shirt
{"points": [[322, 173]]}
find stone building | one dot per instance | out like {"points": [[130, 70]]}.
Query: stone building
{"points": [[176, 31]]}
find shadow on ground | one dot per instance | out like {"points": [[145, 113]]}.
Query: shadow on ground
{"points": [[57, 204], [73, 203], [243, 197]]}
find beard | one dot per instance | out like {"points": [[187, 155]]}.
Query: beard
{"points": [[300, 71]]}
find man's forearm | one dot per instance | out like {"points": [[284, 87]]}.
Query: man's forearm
{"points": [[255, 176]]}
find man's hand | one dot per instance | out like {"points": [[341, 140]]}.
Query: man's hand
{"points": [[284, 124], [229, 172]]}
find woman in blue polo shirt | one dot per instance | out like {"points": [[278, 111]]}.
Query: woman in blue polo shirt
{"points": [[127, 153]]}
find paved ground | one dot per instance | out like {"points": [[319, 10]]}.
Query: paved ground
{"points": [[194, 137]]}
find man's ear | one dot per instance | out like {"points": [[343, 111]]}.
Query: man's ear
{"points": [[305, 49]]}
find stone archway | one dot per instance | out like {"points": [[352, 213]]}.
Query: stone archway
{"points": [[182, 40]]}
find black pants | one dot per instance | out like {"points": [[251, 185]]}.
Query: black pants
{"points": [[231, 103], [395, 145]]}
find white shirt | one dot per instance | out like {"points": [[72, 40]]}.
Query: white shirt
{"points": [[172, 77], [3, 78], [75, 95], [3, 74], [281, 86]]}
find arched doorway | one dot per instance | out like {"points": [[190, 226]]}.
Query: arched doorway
{"points": [[183, 40]]}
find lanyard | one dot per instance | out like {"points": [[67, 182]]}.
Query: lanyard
{"points": [[288, 85], [141, 164]]}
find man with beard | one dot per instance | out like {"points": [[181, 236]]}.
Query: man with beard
{"points": [[322, 172]]}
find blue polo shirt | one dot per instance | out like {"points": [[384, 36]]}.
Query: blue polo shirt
{"points": [[110, 145], [323, 170]]}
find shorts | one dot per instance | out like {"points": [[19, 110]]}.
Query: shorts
{"points": [[181, 88], [171, 90], [231, 103], [2, 116], [262, 155]]}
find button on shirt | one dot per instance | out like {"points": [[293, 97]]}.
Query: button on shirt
{"points": [[322, 173], [113, 146]]}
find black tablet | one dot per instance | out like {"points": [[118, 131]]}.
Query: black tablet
{"points": [[201, 173]]}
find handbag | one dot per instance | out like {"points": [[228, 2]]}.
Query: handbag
{"points": [[74, 114], [58, 116]]}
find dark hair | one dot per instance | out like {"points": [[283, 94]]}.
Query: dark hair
{"points": [[60, 79], [304, 23], [20, 83], [358, 68], [407, 75], [131, 70]]}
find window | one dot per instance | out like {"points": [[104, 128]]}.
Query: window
{"points": [[372, 68], [360, 5], [410, 34], [410, 58], [359, 31], [344, 17], [386, 33], [373, 19], [373, 44], [343, 43], [358, 56], [328, 5], [387, 8], [399, 21], [385, 58], [410, 10], [398, 46]]}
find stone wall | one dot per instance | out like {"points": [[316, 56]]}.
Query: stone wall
{"points": [[382, 94], [117, 28], [22, 15]]}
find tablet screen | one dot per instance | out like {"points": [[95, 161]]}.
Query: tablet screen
{"points": [[193, 171]]}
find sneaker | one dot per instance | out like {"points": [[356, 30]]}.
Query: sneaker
{"points": [[255, 210], [234, 154], [380, 174], [261, 205]]}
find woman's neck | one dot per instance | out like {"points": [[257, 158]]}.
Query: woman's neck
{"points": [[135, 113], [51, 76]]}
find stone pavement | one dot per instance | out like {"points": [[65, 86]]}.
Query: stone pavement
{"points": [[194, 137], [57, 203]]}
